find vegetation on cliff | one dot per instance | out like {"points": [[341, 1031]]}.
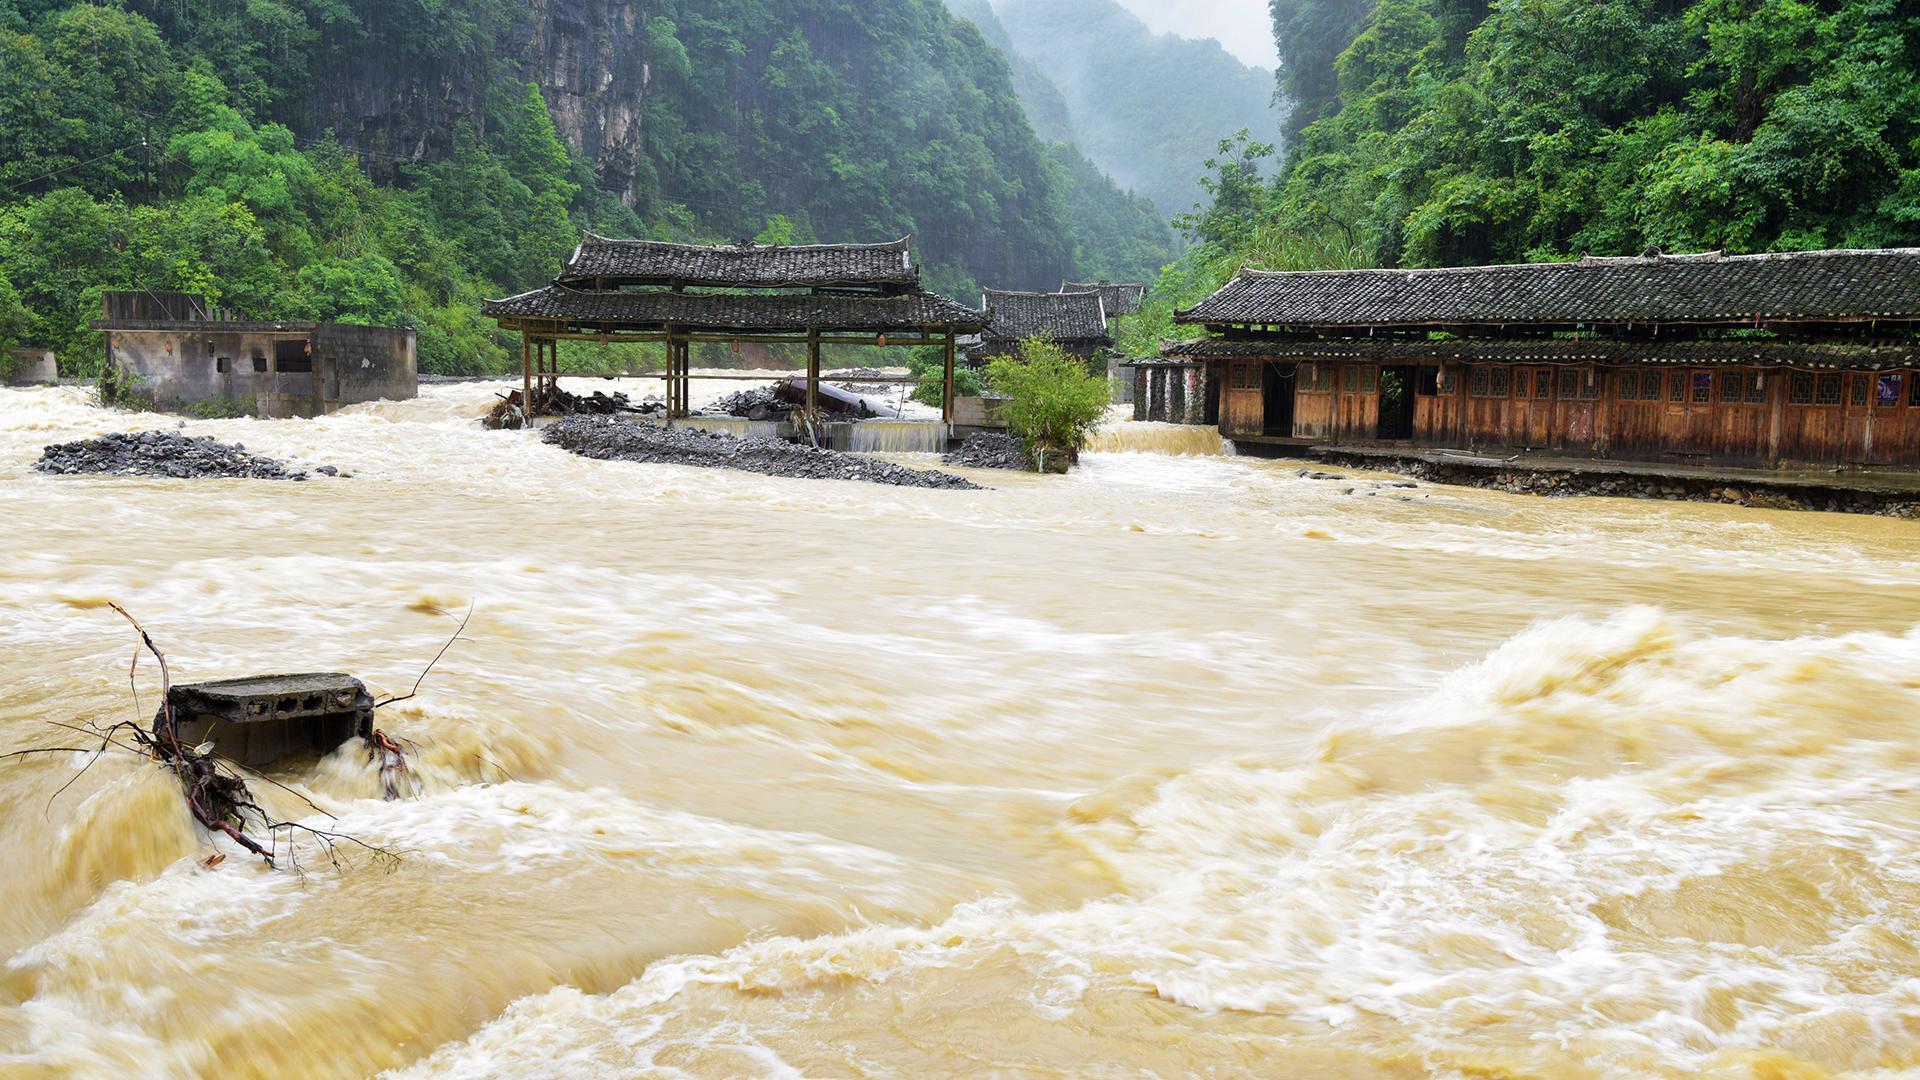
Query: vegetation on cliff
{"points": [[1443, 133], [376, 162]]}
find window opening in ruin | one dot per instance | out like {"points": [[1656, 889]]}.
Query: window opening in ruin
{"points": [[291, 356], [259, 362], [223, 365]]}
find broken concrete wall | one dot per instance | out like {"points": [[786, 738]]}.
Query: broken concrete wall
{"points": [[32, 367]]}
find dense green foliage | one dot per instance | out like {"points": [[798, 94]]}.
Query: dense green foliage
{"points": [[1145, 107], [170, 146], [1054, 403], [1532, 129], [1117, 235]]}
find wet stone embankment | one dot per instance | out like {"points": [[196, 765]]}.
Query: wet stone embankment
{"points": [[166, 454], [1563, 484], [614, 440], [990, 450]]}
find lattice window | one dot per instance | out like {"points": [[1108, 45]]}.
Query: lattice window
{"points": [[1858, 389], [1502, 381], [1800, 389], [1369, 379], [1629, 385], [1650, 383], [1246, 377], [1350, 379], [1676, 387], [1730, 387], [1702, 387], [1913, 389], [1590, 384], [1756, 385], [1448, 381], [1826, 391], [1479, 384], [1569, 383], [1543, 383]]}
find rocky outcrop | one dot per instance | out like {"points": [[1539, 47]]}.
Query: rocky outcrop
{"points": [[587, 57]]}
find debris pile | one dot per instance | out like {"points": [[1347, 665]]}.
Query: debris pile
{"points": [[990, 450], [550, 400], [758, 403], [613, 440], [164, 454]]}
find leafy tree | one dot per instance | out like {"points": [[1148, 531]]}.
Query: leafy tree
{"points": [[366, 290], [1054, 404]]}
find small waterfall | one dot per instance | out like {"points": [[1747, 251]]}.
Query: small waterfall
{"points": [[896, 437], [734, 426], [1175, 440]]}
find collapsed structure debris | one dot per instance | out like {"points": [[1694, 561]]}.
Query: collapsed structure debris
{"points": [[509, 413], [217, 795], [260, 719], [990, 450], [607, 439], [165, 454]]}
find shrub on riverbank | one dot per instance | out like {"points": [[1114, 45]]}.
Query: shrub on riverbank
{"points": [[1054, 405]]}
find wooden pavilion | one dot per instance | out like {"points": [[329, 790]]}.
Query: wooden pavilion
{"points": [[620, 291], [1801, 358]]}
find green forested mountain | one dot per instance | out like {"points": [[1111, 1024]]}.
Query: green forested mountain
{"points": [[397, 160], [1147, 108], [1459, 132], [1046, 106]]}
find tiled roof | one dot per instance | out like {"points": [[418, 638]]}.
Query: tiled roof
{"points": [[1761, 353], [771, 312], [747, 266], [1711, 288], [1017, 316], [1122, 299]]}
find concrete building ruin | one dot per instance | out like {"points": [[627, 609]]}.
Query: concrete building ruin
{"points": [[176, 352]]}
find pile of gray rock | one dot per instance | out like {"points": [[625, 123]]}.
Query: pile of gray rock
{"points": [[614, 440], [990, 450], [164, 454]]}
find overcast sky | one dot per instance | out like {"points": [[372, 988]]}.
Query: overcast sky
{"points": [[1243, 26]]}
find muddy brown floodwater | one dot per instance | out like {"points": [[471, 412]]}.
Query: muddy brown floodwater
{"points": [[1177, 765]]}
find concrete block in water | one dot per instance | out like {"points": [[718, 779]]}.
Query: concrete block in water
{"points": [[262, 718]]}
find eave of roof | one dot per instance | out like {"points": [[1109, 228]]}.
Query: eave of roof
{"points": [[654, 311], [1559, 351]]}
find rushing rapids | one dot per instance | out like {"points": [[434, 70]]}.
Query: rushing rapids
{"points": [[1174, 765]]}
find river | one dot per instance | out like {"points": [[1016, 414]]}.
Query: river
{"points": [[1176, 765]]}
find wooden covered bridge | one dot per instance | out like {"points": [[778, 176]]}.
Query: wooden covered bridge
{"points": [[619, 291], [1749, 360]]}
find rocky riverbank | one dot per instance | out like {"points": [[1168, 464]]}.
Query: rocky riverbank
{"points": [[165, 454], [614, 440], [1564, 484]]}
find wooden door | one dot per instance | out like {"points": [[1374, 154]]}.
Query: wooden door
{"points": [[1856, 414]]}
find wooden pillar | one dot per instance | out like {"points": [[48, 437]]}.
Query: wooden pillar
{"points": [[526, 373], [946, 399], [813, 374], [676, 396]]}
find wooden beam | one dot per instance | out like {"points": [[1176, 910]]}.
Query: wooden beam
{"points": [[813, 374], [526, 374], [946, 399]]}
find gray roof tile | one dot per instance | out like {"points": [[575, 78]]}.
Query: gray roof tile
{"points": [[1710, 288], [746, 265]]}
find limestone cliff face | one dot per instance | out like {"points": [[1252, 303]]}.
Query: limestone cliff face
{"points": [[587, 56]]}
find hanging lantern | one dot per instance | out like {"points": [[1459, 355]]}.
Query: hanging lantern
{"points": [[1759, 381], [881, 341], [736, 346]]}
